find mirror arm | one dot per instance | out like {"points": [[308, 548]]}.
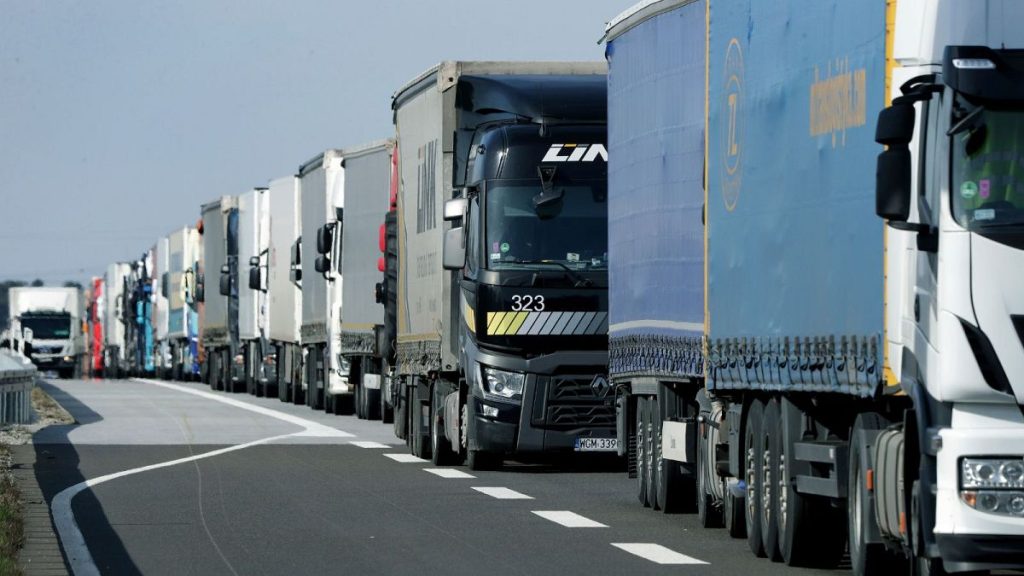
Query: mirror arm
{"points": [[927, 235]]}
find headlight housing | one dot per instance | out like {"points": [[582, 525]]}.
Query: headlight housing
{"points": [[502, 385], [993, 485], [343, 365], [979, 473]]}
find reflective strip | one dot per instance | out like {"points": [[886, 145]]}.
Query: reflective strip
{"points": [[546, 323]]}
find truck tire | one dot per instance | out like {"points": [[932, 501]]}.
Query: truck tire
{"points": [[360, 408], [865, 558], [420, 430], [373, 403], [475, 459], [387, 414], [752, 456], [650, 462], [641, 451], [810, 528], [344, 404], [441, 452], [733, 510], [675, 490], [400, 416], [709, 511], [771, 479]]}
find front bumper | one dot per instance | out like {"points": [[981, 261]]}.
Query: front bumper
{"points": [[52, 361], [967, 537]]}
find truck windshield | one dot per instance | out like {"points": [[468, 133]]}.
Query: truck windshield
{"points": [[988, 167], [572, 230], [48, 327]]}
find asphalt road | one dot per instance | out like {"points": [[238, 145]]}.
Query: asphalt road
{"points": [[330, 495]]}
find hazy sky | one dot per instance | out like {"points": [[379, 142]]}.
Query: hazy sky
{"points": [[119, 118]]}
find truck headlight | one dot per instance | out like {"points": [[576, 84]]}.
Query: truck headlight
{"points": [[993, 485], [992, 473], [343, 365], [506, 385]]}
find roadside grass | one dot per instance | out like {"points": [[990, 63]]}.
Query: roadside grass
{"points": [[11, 523]]}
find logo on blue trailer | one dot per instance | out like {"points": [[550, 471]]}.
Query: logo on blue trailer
{"points": [[732, 126]]}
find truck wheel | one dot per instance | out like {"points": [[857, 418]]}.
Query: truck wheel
{"points": [[675, 490], [475, 459], [733, 509], [420, 430], [865, 557], [770, 480], [810, 529], [709, 511], [753, 453], [651, 462], [373, 404], [400, 417], [441, 452], [358, 393], [387, 415], [641, 451], [344, 404]]}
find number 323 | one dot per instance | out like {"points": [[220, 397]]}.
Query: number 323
{"points": [[527, 303]]}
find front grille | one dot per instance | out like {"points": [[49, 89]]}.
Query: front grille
{"points": [[572, 402]]}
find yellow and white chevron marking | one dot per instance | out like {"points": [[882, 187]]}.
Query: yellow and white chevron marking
{"points": [[546, 323]]}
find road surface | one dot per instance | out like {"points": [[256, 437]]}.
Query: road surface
{"points": [[161, 478]]}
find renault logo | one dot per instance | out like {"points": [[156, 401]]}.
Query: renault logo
{"points": [[600, 386]]}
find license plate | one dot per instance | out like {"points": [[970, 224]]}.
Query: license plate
{"points": [[597, 444]]}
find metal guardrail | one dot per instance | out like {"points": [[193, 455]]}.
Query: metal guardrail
{"points": [[17, 377]]}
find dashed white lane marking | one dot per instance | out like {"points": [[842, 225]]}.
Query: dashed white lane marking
{"points": [[568, 519], [79, 558], [502, 493], [404, 458], [657, 553], [310, 428], [365, 444], [448, 473]]}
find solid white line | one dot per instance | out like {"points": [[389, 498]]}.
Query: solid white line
{"points": [[311, 428], [448, 473], [404, 458], [568, 519], [502, 493], [657, 553], [364, 444], [79, 557]]}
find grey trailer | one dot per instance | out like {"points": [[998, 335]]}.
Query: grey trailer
{"points": [[220, 319]]}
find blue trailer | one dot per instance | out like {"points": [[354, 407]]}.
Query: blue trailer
{"points": [[656, 114]]}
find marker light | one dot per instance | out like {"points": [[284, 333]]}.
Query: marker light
{"points": [[973, 64]]}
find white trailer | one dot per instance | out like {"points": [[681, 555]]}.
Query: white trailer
{"points": [[161, 279], [284, 286], [182, 313], [113, 324], [253, 311], [321, 184]]}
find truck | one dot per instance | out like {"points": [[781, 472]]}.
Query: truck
{"points": [[182, 308], [501, 337], [160, 313], [367, 188], [223, 361], [95, 314], [283, 283], [137, 316], [54, 315], [253, 310], [862, 342], [321, 185], [114, 349]]}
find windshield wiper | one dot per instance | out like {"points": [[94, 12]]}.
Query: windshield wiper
{"points": [[579, 280]]}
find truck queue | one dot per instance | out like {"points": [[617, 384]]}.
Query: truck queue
{"points": [[770, 255]]}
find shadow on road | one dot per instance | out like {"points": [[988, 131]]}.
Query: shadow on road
{"points": [[58, 467]]}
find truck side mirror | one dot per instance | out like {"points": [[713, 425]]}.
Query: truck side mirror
{"points": [[323, 239], [225, 284], [254, 278], [455, 209], [322, 264], [895, 130], [454, 252], [200, 295], [254, 261], [165, 284]]}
